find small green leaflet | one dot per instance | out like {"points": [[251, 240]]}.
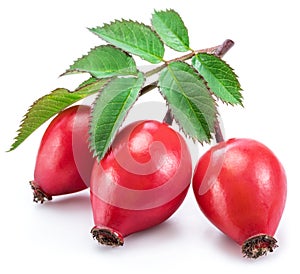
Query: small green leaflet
{"points": [[170, 27], [89, 81], [110, 109], [105, 61], [133, 37], [49, 105], [189, 100], [220, 77]]}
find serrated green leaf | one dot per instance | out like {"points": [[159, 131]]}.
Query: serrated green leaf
{"points": [[49, 105], [219, 76], [110, 109], [89, 81], [105, 61], [133, 37], [189, 100], [170, 27]]}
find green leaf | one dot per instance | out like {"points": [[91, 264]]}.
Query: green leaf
{"points": [[49, 105], [133, 37], [219, 76], [89, 81], [170, 27], [105, 61], [110, 109], [189, 100]]}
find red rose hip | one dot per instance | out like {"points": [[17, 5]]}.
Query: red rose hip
{"points": [[240, 186], [64, 162], [140, 182]]}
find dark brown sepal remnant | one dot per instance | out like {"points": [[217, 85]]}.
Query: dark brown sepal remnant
{"points": [[38, 194], [259, 245], [107, 237]]}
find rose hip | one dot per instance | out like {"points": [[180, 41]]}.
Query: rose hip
{"points": [[240, 186], [140, 182], [64, 162]]}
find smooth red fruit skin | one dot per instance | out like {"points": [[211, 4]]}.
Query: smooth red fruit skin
{"points": [[240, 186], [64, 162], [140, 182]]}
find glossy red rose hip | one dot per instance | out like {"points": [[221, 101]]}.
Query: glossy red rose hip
{"points": [[140, 182], [240, 186], [64, 162]]}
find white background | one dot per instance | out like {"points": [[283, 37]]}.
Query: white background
{"points": [[40, 39]]}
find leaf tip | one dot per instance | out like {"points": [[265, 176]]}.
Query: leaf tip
{"points": [[12, 147]]}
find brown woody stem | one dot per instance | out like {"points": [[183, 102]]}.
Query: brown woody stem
{"points": [[168, 119], [220, 52], [218, 132], [224, 48]]}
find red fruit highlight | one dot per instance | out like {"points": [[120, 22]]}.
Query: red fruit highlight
{"points": [[64, 162], [240, 186], [140, 182]]}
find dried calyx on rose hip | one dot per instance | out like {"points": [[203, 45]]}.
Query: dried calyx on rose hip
{"points": [[64, 162], [140, 182], [240, 186]]}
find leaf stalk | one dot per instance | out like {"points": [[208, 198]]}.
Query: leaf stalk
{"points": [[219, 51], [190, 55]]}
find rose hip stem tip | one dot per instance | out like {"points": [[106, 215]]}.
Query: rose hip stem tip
{"points": [[107, 236], [258, 245], [38, 194]]}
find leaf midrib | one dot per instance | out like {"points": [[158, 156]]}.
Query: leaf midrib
{"points": [[220, 83], [175, 34], [108, 140], [186, 97], [110, 38]]}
